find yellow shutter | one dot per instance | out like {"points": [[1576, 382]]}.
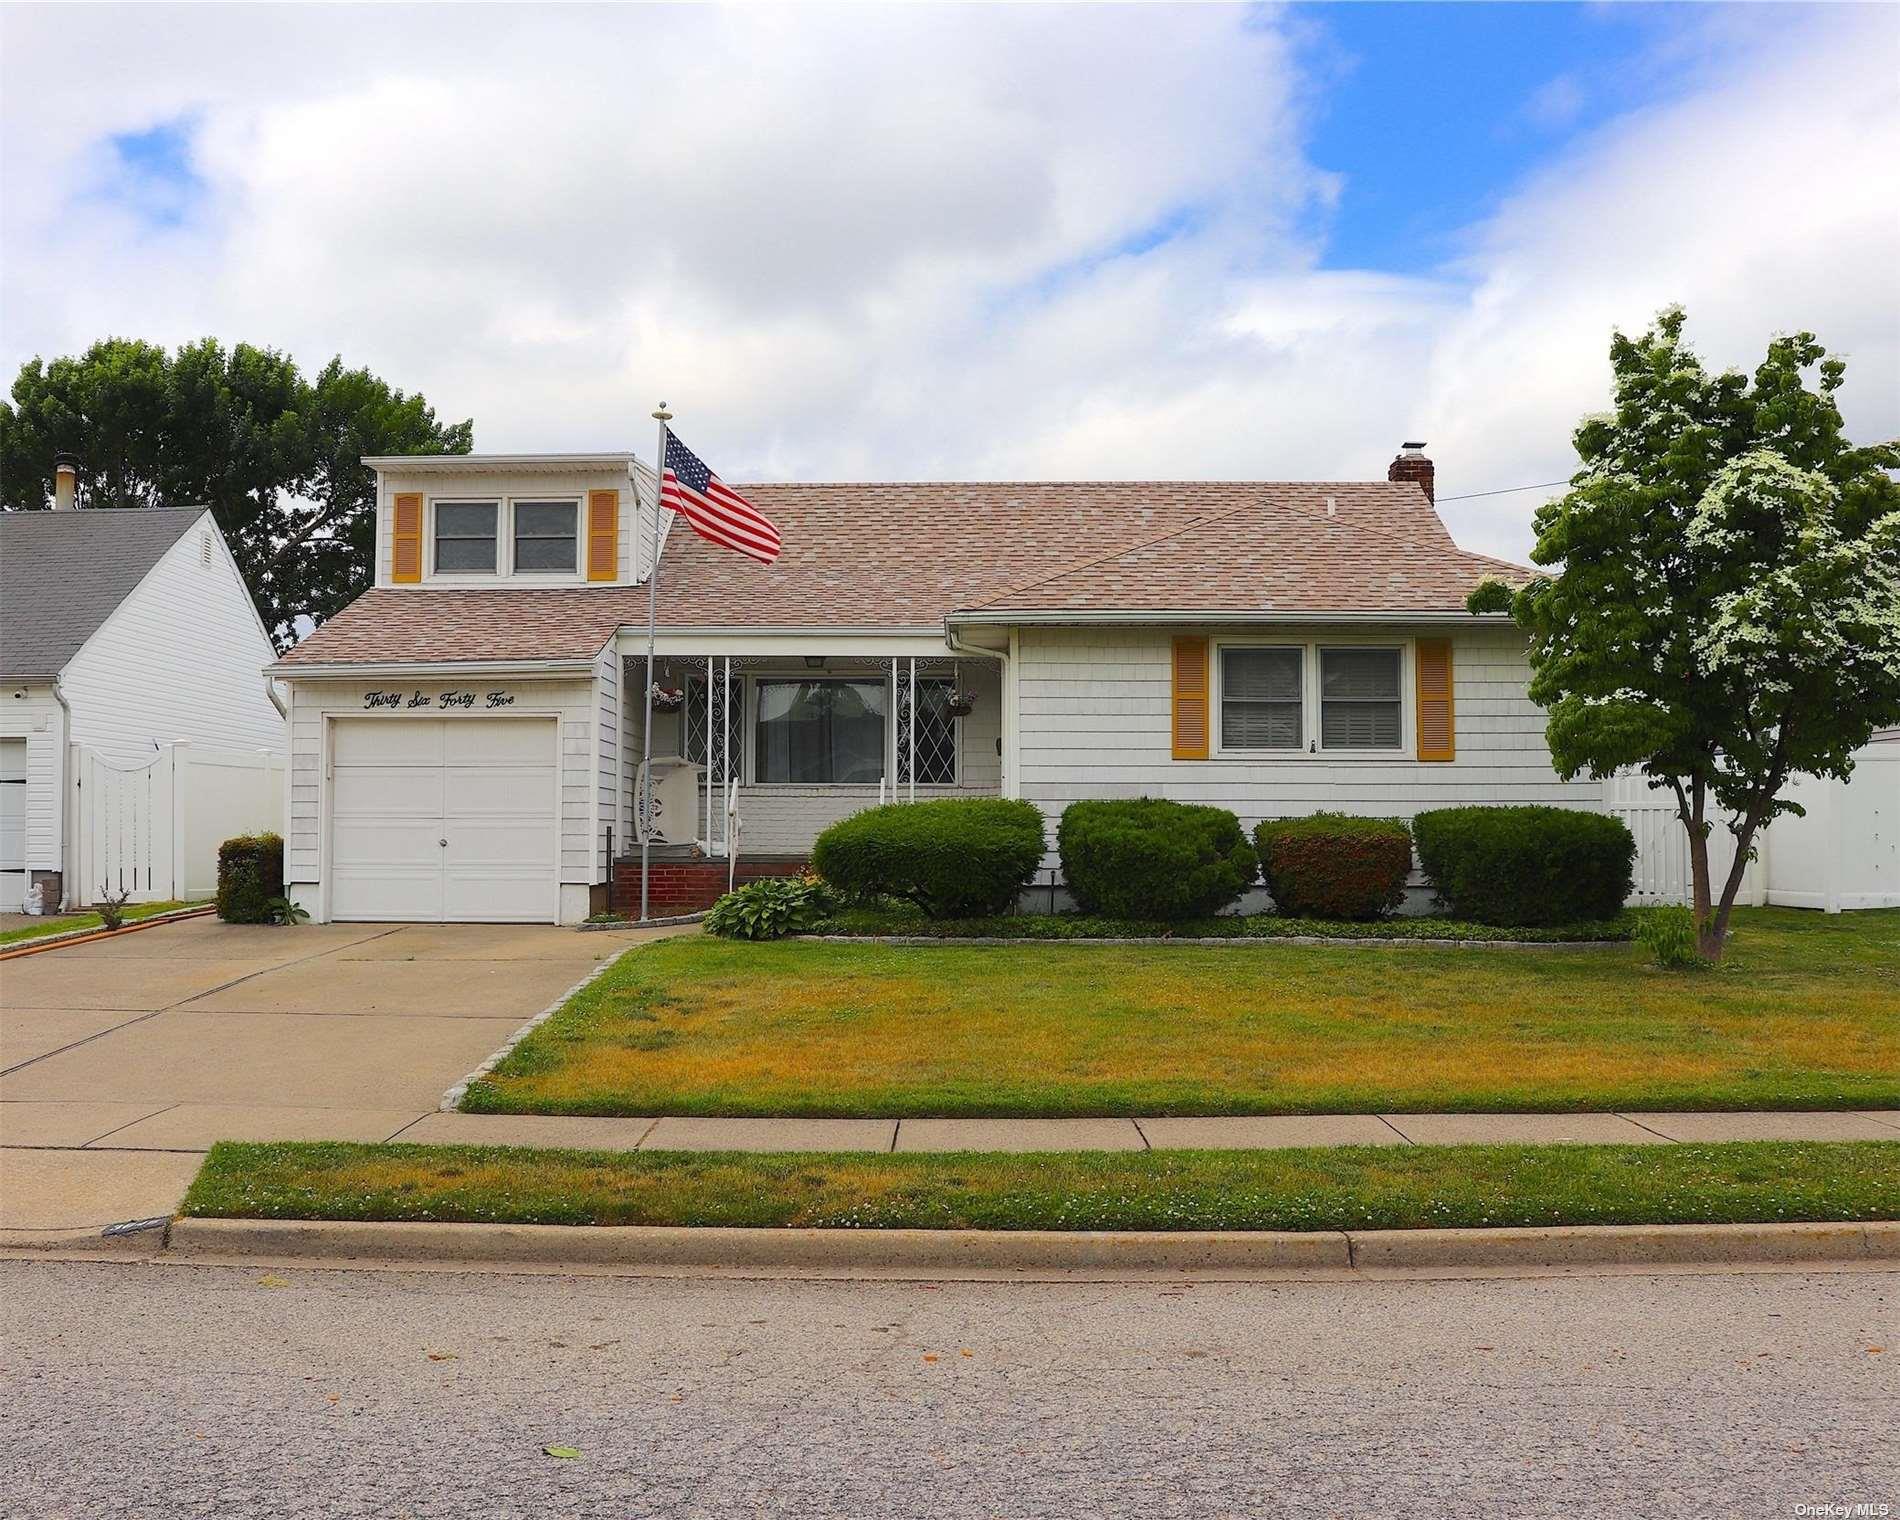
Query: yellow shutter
{"points": [[1436, 734], [1190, 699], [603, 535], [405, 540]]}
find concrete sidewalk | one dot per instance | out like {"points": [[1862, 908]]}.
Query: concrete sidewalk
{"points": [[189, 1128]]}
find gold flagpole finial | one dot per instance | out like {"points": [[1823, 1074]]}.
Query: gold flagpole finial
{"points": [[662, 414]]}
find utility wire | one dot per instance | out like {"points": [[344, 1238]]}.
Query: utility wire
{"points": [[1506, 491]]}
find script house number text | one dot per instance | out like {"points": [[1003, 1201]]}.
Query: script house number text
{"points": [[451, 699]]}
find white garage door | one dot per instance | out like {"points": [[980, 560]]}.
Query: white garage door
{"points": [[450, 819], [12, 825]]}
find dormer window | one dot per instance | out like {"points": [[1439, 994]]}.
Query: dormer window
{"points": [[546, 537], [465, 537]]}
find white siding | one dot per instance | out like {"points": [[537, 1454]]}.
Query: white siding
{"points": [[1095, 722], [33, 713], [181, 659], [572, 701], [532, 484]]}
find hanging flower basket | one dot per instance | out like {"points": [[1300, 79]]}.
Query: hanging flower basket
{"points": [[668, 699], [960, 704]]}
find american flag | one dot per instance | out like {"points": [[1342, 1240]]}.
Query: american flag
{"points": [[716, 511]]}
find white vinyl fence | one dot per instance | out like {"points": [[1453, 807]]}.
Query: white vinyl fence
{"points": [[1662, 846], [1844, 854], [153, 830]]}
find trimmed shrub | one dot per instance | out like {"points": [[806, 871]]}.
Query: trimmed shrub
{"points": [[1334, 866], [770, 908], [250, 876], [1526, 865], [957, 857], [1149, 858]]}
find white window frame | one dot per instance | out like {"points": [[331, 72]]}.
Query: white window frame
{"points": [[505, 540], [1311, 749], [1217, 678]]}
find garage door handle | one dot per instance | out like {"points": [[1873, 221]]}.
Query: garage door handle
{"points": [[443, 842]]}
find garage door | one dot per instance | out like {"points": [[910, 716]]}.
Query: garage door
{"points": [[444, 819], [12, 825]]}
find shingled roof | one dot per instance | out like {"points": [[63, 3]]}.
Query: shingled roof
{"points": [[896, 556], [62, 574]]}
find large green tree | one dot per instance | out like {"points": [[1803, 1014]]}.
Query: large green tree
{"points": [[275, 455], [1721, 604]]}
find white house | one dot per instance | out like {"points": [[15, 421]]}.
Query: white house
{"points": [[465, 738], [121, 633]]}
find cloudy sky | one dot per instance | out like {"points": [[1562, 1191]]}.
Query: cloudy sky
{"points": [[928, 242]]}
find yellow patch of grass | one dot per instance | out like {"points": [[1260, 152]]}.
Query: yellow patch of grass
{"points": [[1806, 1014]]}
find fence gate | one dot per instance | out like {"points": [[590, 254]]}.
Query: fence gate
{"points": [[1662, 846], [122, 833]]}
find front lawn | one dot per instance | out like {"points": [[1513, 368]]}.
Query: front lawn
{"points": [[67, 922], [1359, 1187], [1805, 1013]]}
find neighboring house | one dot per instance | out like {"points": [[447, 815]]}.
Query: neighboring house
{"points": [[120, 632], [465, 738]]}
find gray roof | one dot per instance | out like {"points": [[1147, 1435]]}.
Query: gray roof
{"points": [[62, 574]]}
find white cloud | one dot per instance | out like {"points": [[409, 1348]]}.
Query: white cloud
{"points": [[920, 242]]}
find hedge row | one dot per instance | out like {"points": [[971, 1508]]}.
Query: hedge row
{"points": [[1154, 860]]}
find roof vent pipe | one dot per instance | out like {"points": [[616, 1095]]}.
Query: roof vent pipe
{"points": [[65, 482]]}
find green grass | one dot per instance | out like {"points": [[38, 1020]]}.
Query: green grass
{"points": [[1804, 1014], [70, 921], [1358, 1187], [903, 920]]}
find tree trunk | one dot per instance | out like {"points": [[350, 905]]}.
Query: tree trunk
{"points": [[1713, 936], [1699, 871]]}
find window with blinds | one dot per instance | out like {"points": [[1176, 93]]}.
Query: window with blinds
{"points": [[1261, 698], [1359, 703]]}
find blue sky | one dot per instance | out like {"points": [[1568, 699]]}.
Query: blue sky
{"points": [[151, 173], [1432, 113]]}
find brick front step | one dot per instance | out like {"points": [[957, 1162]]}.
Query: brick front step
{"points": [[688, 886]]}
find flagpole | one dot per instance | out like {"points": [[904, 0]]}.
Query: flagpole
{"points": [[662, 416]]}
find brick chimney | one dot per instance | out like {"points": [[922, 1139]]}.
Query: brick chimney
{"points": [[1413, 465], [65, 482]]}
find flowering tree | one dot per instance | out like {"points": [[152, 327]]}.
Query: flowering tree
{"points": [[1722, 607]]}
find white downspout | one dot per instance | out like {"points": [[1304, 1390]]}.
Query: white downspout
{"points": [[1006, 723]]}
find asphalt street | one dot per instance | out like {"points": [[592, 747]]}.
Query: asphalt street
{"points": [[135, 1389]]}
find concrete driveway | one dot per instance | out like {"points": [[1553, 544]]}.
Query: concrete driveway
{"points": [[122, 1060]]}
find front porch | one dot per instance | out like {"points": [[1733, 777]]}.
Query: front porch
{"points": [[757, 751]]}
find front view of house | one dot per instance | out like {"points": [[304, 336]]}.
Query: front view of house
{"points": [[466, 738]]}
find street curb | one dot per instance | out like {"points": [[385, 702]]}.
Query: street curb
{"points": [[949, 1252], [591, 927]]}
